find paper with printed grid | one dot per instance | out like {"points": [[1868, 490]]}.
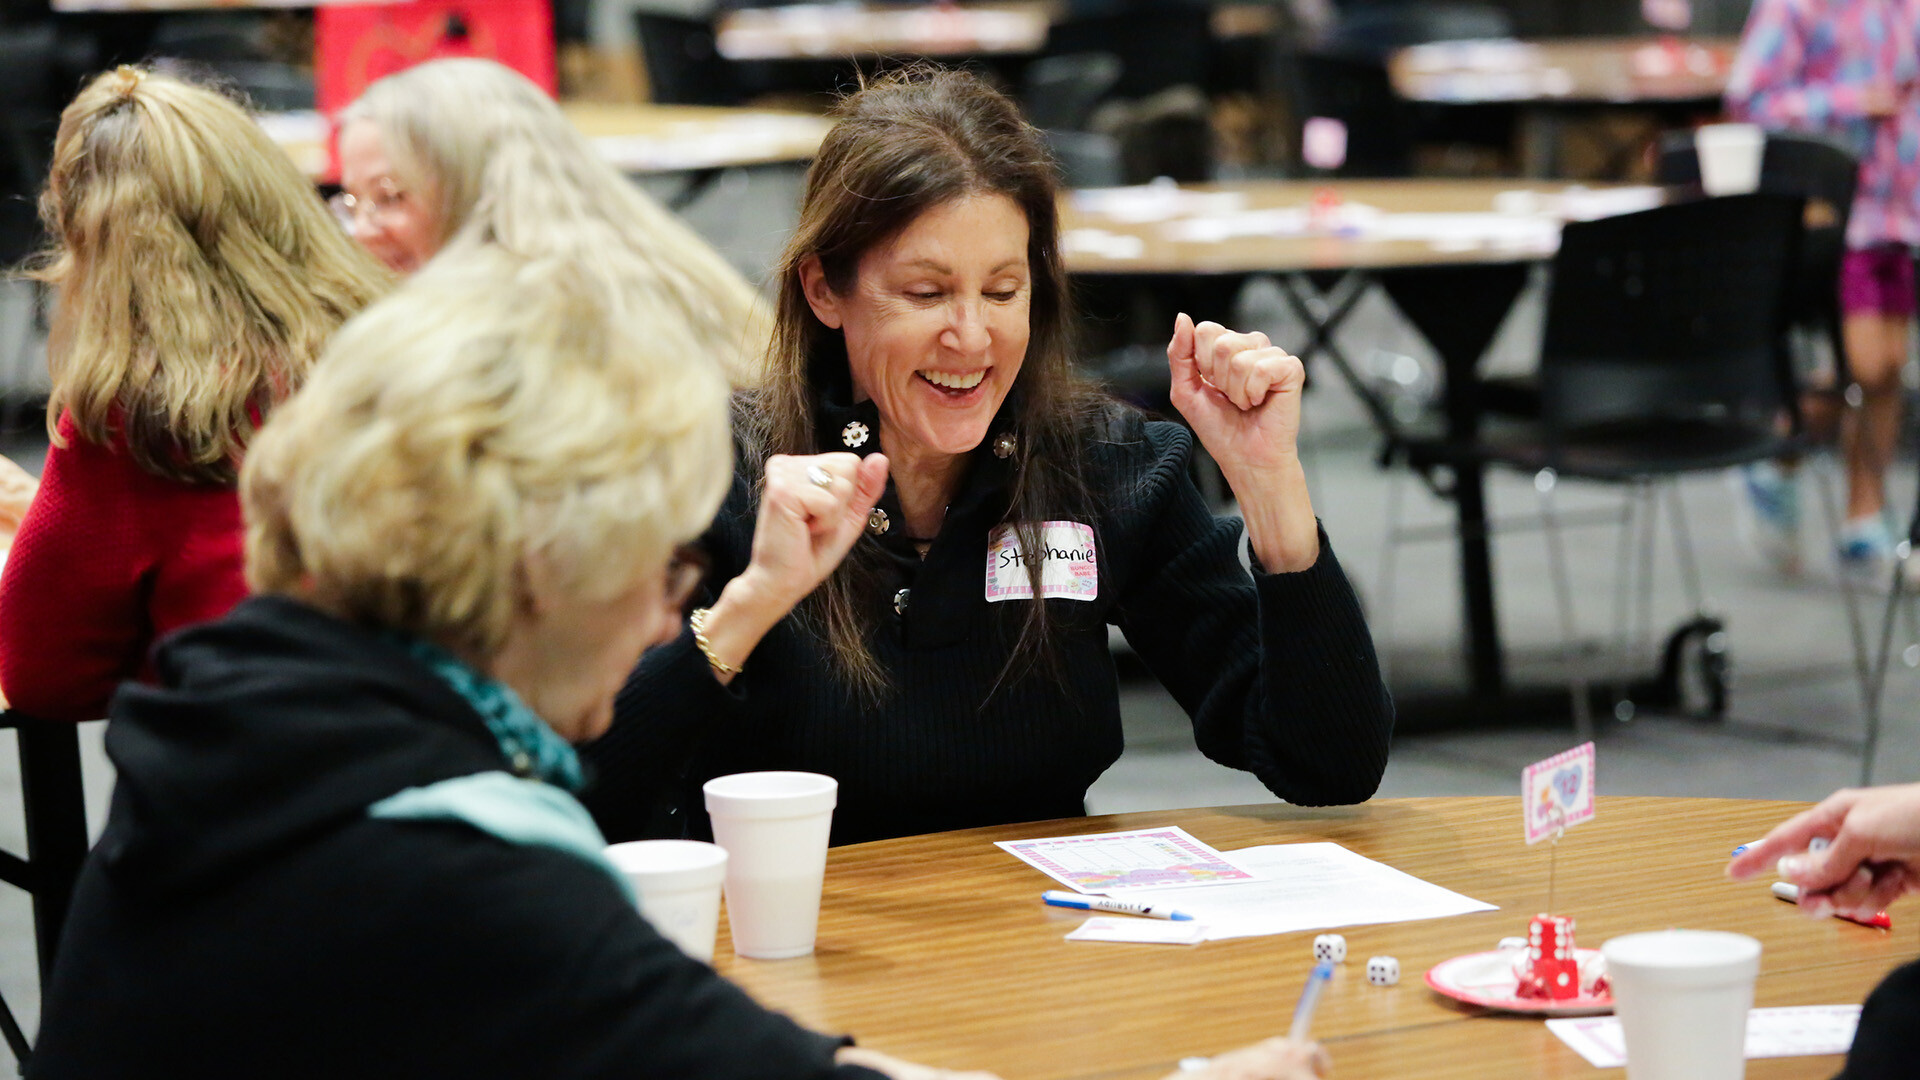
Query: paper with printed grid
{"points": [[1107, 863]]}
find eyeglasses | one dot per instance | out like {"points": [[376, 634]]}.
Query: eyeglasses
{"points": [[350, 210], [686, 569]]}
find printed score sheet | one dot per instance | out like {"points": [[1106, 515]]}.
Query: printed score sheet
{"points": [[1311, 887], [1126, 862], [1796, 1031], [1273, 889]]}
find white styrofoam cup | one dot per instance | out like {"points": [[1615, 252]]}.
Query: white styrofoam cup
{"points": [[1682, 997], [678, 882], [774, 826], [1730, 157]]}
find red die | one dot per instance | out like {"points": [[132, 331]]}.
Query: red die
{"points": [[1552, 970]]}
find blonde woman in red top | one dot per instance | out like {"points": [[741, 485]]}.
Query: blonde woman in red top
{"points": [[198, 275]]}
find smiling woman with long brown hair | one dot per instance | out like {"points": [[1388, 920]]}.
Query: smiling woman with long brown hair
{"points": [[198, 276], [935, 521]]}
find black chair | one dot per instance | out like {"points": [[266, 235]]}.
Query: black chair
{"points": [[28, 113], [683, 66], [1662, 354], [1824, 174], [1160, 43], [29, 116], [1662, 349], [1059, 93], [55, 808], [1807, 167], [1086, 159]]}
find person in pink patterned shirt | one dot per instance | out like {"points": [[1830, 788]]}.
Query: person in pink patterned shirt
{"points": [[1850, 70]]}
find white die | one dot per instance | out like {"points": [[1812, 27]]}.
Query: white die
{"points": [[1383, 971], [1330, 949]]}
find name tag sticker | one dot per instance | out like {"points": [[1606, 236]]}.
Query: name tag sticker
{"points": [[1068, 568]]}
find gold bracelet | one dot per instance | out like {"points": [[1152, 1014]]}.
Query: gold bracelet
{"points": [[697, 620]]}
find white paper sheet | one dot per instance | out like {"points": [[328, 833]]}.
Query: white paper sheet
{"points": [[1801, 1031], [1311, 887], [1140, 931]]}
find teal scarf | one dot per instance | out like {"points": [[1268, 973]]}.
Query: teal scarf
{"points": [[534, 804]]}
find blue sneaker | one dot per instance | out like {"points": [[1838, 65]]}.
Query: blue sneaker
{"points": [[1865, 548], [1772, 521]]}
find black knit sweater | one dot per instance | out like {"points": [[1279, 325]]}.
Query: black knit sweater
{"points": [[1277, 671]]}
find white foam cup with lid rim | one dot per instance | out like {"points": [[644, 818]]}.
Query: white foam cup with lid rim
{"points": [[774, 826], [678, 882], [1730, 156], [1682, 997]]}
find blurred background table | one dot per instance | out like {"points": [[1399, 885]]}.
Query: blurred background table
{"points": [[1628, 89], [1620, 70], [813, 31], [637, 138], [937, 948]]}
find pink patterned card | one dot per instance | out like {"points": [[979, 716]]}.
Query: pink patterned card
{"points": [[1557, 794], [1167, 858]]}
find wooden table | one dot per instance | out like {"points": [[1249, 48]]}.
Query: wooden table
{"points": [[833, 31], [938, 949], [1456, 294], [637, 138]]}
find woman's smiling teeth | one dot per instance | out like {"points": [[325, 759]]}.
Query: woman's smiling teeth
{"points": [[953, 380]]}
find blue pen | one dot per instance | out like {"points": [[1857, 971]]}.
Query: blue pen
{"points": [[1309, 997], [1112, 906]]}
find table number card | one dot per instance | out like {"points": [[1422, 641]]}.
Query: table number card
{"points": [[1556, 794]]}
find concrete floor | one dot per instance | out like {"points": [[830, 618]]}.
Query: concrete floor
{"points": [[1795, 709]]}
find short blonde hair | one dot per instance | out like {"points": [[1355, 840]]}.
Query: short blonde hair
{"points": [[199, 274], [492, 411], [497, 162]]}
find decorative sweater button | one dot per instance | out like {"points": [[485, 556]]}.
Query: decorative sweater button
{"points": [[900, 602], [854, 434], [522, 764], [1003, 446], [877, 522]]}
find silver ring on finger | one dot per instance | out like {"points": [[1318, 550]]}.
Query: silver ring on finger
{"points": [[820, 477]]}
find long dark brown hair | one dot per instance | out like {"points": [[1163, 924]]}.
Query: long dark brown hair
{"points": [[904, 144]]}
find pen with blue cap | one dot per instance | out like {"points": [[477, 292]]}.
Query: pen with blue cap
{"points": [[1111, 906], [1309, 998]]}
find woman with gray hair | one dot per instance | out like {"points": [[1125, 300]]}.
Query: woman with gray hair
{"points": [[467, 152], [343, 840]]}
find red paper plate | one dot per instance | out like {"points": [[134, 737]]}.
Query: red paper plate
{"points": [[1486, 979]]}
